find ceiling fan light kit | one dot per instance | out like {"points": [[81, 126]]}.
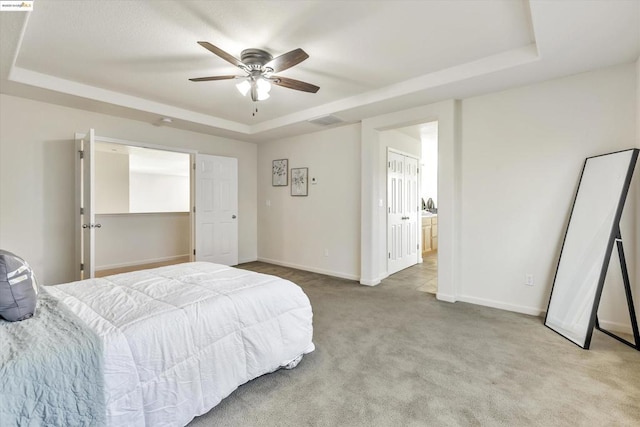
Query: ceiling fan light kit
{"points": [[260, 66]]}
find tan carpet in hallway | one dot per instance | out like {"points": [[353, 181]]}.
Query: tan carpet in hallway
{"points": [[391, 356]]}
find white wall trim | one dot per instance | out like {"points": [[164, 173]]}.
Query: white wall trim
{"points": [[311, 269], [79, 135], [532, 311], [141, 261], [246, 260], [373, 282], [373, 241], [445, 297]]}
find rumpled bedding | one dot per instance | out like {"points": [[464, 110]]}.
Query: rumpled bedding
{"points": [[51, 369], [179, 339]]}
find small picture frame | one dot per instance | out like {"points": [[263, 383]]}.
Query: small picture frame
{"points": [[279, 173], [299, 181]]}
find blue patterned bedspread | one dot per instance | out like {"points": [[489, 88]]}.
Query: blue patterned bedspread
{"points": [[50, 370]]}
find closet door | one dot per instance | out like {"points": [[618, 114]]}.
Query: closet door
{"points": [[85, 206], [216, 222]]}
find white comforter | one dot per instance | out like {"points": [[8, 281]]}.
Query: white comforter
{"points": [[179, 339]]}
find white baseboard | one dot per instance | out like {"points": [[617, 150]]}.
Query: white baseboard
{"points": [[311, 269], [373, 282], [140, 262], [244, 260], [445, 297], [501, 305]]}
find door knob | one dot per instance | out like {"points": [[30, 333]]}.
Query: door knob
{"points": [[98, 225], [85, 225], [233, 217]]}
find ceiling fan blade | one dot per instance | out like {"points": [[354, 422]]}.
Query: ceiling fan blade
{"points": [[287, 60], [294, 84], [222, 54], [206, 79]]}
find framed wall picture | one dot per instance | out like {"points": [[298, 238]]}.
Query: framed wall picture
{"points": [[299, 181], [279, 173]]}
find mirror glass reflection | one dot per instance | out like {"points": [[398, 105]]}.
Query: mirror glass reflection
{"points": [[593, 220]]}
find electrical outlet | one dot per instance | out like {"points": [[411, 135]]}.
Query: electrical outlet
{"points": [[326, 252], [268, 202], [528, 280]]}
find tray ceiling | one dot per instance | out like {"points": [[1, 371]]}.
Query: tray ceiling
{"points": [[134, 58]]}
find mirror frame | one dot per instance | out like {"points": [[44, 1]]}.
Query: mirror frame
{"points": [[613, 233]]}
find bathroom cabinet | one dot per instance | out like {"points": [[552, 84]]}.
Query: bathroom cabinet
{"points": [[429, 234]]}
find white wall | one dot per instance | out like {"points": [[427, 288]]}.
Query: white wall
{"points": [[512, 161], [296, 231], [153, 192], [111, 182], [400, 142], [522, 153], [130, 239], [37, 178]]}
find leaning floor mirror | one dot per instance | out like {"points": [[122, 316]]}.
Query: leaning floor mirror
{"points": [[588, 244]]}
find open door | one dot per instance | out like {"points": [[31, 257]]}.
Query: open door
{"points": [[402, 214], [85, 205], [216, 209]]}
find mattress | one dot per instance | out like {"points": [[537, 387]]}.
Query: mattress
{"points": [[179, 339]]}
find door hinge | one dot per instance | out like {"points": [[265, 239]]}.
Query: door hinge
{"points": [[81, 211], [389, 255], [194, 166], [81, 267], [194, 251], [81, 154], [194, 209]]}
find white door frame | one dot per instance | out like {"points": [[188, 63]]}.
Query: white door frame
{"points": [[84, 223], [97, 138], [373, 183]]}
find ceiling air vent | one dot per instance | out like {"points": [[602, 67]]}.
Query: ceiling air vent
{"points": [[326, 120]]}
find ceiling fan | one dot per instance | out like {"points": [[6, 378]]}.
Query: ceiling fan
{"points": [[260, 66]]}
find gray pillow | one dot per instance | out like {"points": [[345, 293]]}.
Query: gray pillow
{"points": [[18, 288]]}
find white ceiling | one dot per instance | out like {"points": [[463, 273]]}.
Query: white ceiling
{"points": [[149, 160], [134, 58]]}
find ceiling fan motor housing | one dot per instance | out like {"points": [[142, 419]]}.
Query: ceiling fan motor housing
{"points": [[255, 59]]}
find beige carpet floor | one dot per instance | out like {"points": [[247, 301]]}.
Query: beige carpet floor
{"points": [[392, 356]]}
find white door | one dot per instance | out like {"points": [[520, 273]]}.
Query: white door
{"points": [[85, 206], [402, 215], [216, 222]]}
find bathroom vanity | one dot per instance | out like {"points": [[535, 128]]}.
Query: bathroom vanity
{"points": [[429, 232]]}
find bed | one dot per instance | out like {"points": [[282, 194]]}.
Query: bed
{"points": [[177, 340]]}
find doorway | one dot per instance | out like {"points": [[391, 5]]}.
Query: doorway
{"points": [[429, 201], [143, 206], [373, 147], [138, 209], [421, 200]]}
